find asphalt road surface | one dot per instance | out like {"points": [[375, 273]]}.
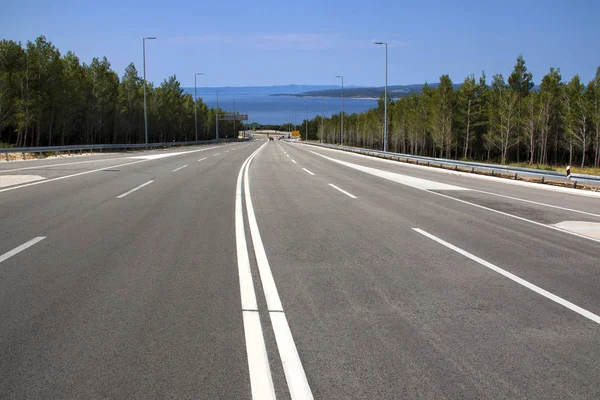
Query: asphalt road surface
{"points": [[269, 269]]}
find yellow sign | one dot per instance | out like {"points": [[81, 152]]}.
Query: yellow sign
{"points": [[296, 133]]}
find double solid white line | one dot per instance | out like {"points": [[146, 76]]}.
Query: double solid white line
{"points": [[261, 381]]}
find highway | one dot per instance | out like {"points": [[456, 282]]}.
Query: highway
{"points": [[271, 269]]}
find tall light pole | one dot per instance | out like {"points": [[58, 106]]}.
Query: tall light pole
{"points": [[385, 97], [145, 112], [196, 104], [217, 115], [342, 130], [322, 121], [306, 136]]}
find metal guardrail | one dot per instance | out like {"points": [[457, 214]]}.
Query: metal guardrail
{"points": [[515, 172], [131, 146]]}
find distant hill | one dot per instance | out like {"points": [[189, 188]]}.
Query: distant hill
{"points": [[259, 90], [395, 91]]}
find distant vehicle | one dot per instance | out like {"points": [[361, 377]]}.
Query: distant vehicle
{"points": [[270, 137]]}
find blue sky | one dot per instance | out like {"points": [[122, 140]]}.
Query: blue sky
{"points": [[251, 43]]}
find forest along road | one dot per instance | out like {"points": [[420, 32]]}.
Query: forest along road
{"points": [[269, 269]]}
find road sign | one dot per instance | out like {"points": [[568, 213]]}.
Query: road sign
{"points": [[235, 117], [296, 133]]}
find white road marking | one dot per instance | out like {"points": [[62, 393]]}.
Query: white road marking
{"points": [[292, 365], [294, 162], [515, 278], [245, 275], [95, 170], [343, 191], [134, 189], [214, 155], [182, 167], [395, 177], [226, 151], [261, 382], [537, 203], [20, 248], [266, 276], [531, 185], [42, 166], [515, 216], [9, 180], [308, 171], [202, 159], [591, 229], [177, 153], [70, 176], [287, 155]]}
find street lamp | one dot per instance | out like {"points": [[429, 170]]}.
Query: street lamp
{"points": [[385, 97], [145, 112], [217, 115], [322, 121], [306, 136], [196, 104], [342, 130]]}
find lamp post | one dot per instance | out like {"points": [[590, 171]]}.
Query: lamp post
{"points": [[306, 106], [145, 112], [322, 121], [342, 130], [217, 115], [196, 104], [385, 97]]}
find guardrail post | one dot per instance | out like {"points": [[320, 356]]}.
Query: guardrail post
{"points": [[23, 156], [515, 176], [492, 172], [6, 156], [428, 163], [417, 162], [456, 167], [575, 185], [472, 170], [543, 180]]}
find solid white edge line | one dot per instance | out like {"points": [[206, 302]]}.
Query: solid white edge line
{"points": [[308, 171], [92, 171], [294, 162], [343, 191], [182, 167], [63, 164], [530, 185], [292, 365], [261, 381], [537, 203], [20, 248], [70, 176], [581, 311], [134, 189], [202, 159], [214, 155], [555, 228]]}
